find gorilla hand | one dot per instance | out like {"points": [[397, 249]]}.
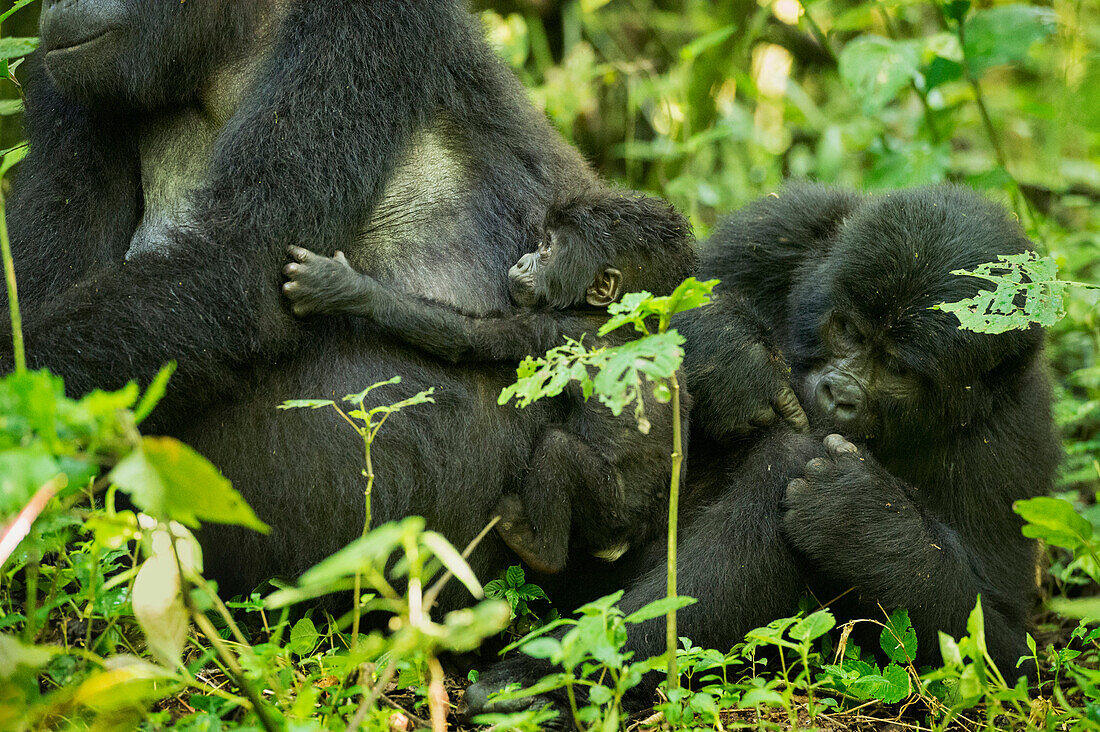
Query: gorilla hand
{"points": [[318, 285], [847, 511]]}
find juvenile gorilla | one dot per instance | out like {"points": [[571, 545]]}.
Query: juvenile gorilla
{"points": [[943, 428], [177, 148], [590, 469]]}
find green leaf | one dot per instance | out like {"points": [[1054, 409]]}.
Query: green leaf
{"points": [[1054, 521], [306, 404], [452, 559], [154, 393], [515, 576], [898, 639], [1004, 34], [813, 626], [158, 607], [1084, 608], [169, 480], [14, 654], [975, 628], [14, 47], [465, 630], [658, 609], [949, 651], [303, 637], [956, 9], [545, 647], [876, 69], [1027, 291]]}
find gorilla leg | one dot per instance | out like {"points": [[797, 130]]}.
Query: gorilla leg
{"points": [[537, 524]]}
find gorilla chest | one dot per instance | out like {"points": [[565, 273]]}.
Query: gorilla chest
{"points": [[426, 234]]}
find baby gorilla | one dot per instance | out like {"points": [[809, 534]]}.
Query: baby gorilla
{"points": [[591, 471]]}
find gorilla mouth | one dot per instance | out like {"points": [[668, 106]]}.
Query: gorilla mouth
{"points": [[79, 43]]}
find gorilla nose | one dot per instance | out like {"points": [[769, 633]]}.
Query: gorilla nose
{"points": [[839, 396]]}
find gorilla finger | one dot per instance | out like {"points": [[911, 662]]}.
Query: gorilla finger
{"points": [[817, 467], [763, 417], [290, 289], [298, 252], [788, 407], [838, 445], [292, 269], [339, 257], [798, 486]]}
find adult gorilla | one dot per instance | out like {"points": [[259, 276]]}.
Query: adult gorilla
{"points": [[178, 148], [948, 428]]}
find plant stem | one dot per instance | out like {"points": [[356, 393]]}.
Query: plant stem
{"points": [[368, 439], [29, 630], [671, 636], [13, 292]]}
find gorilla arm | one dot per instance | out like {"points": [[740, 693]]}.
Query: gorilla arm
{"points": [[858, 524], [329, 286]]}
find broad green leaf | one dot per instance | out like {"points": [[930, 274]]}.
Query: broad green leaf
{"points": [[303, 637], [949, 651], [813, 626], [169, 480], [126, 683], [1054, 521], [898, 639], [14, 654], [515, 576], [14, 47], [1004, 34], [1084, 608], [467, 629]]}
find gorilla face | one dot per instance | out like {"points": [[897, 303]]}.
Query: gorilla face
{"points": [[862, 380], [141, 53], [871, 355]]}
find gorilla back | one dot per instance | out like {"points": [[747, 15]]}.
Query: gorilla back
{"points": [[177, 148]]}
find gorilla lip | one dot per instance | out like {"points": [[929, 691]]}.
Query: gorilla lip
{"points": [[81, 43]]}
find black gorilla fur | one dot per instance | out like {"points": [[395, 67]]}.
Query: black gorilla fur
{"points": [[174, 159], [919, 515], [591, 473]]}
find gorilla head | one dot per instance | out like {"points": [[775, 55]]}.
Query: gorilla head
{"points": [[870, 355], [143, 53]]}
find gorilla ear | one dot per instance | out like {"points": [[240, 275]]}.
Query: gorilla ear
{"points": [[605, 289]]}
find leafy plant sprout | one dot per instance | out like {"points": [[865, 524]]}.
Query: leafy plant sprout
{"points": [[621, 372], [366, 422]]}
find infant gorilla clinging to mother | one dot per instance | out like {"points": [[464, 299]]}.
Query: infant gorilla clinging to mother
{"points": [[595, 246]]}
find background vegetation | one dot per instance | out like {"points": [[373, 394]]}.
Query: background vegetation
{"points": [[710, 103]]}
